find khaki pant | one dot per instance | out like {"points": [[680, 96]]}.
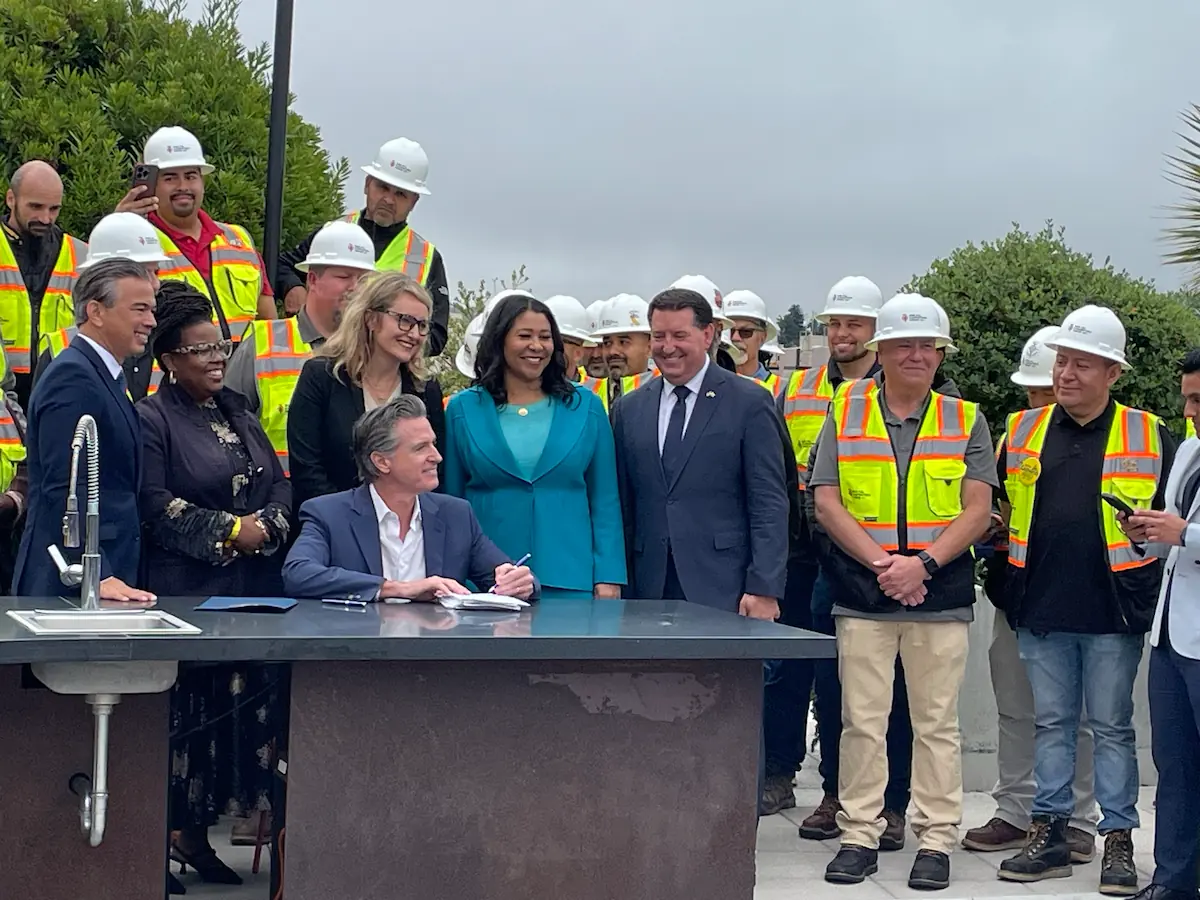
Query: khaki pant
{"points": [[934, 655]]}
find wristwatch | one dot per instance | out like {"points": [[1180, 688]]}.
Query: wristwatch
{"points": [[931, 564]]}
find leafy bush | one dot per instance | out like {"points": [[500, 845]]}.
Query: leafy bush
{"points": [[998, 294], [83, 83]]}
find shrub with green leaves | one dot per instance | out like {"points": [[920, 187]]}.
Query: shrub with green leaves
{"points": [[467, 305], [998, 294], [83, 83]]}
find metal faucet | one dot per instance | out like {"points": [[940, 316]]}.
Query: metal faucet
{"points": [[87, 574]]}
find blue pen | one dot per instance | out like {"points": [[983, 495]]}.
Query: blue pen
{"points": [[520, 562]]}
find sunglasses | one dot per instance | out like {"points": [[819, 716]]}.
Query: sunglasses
{"points": [[745, 332], [217, 350], [405, 322]]}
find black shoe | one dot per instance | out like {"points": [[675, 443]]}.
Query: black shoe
{"points": [[930, 871], [893, 836], [1046, 853], [174, 885], [1117, 872], [1158, 892], [852, 865], [779, 793]]}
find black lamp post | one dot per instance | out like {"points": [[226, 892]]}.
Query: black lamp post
{"points": [[277, 143]]}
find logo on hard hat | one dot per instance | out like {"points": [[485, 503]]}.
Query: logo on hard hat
{"points": [[142, 241], [399, 165], [842, 298], [178, 148], [357, 248], [635, 319], [1079, 329], [719, 300]]}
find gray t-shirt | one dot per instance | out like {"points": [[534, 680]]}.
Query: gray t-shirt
{"points": [[981, 466]]}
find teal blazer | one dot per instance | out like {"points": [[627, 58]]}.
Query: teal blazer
{"points": [[568, 515]]}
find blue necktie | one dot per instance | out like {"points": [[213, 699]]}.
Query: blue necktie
{"points": [[672, 450], [122, 384]]}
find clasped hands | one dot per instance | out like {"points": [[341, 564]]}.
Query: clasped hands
{"points": [[511, 581], [902, 578]]}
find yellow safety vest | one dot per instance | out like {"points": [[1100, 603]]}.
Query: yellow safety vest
{"points": [[600, 386], [12, 449], [279, 355], [236, 275], [57, 310], [57, 341], [1190, 429], [408, 253], [870, 481], [805, 405], [772, 383], [1132, 468]]}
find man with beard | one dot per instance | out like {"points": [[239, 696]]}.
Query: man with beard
{"points": [[266, 367], [38, 268], [623, 331], [395, 182], [216, 258]]}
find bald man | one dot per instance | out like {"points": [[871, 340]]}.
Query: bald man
{"points": [[38, 267]]}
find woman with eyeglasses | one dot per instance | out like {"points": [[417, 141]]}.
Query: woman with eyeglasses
{"points": [[214, 506], [376, 354]]}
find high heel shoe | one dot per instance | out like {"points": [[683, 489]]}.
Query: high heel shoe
{"points": [[207, 865]]}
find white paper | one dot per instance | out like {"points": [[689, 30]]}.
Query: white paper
{"points": [[482, 601]]}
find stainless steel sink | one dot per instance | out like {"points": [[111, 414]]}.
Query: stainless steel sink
{"points": [[135, 676], [101, 622]]}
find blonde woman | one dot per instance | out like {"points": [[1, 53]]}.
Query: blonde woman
{"points": [[376, 354]]}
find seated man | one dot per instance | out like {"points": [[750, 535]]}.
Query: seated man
{"points": [[391, 537]]}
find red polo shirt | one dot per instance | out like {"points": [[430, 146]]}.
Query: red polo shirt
{"points": [[197, 251]]}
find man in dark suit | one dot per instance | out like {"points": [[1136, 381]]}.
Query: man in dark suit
{"points": [[701, 473], [391, 537], [114, 311]]}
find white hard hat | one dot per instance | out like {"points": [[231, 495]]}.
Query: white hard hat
{"points": [[464, 359], [709, 291], [340, 243], [1037, 360], [748, 305], [573, 320], [909, 316], [1092, 329], [944, 321], [494, 300], [594, 310], [854, 295], [175, 148], [623, 314], [772, 347], [401, 163], [126, 235]]}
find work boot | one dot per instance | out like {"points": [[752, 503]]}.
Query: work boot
{"points": [[1046, 853], [893, 836], [1083, 846], [821, 824], [1118, 875], [778, 794], [930, 871], [995, 835], [852, 865]]}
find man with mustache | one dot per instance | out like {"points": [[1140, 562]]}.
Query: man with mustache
{"points": [[395, 182], [623, 330], [216, 258], [38, 268], [266, 367]]}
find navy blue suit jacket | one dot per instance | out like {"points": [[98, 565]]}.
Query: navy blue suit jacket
{"points": [[725, 515], [337, 553], [76, 383]]}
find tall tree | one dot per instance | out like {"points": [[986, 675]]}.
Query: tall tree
{"points": [[1184, 173], [791, 326]]}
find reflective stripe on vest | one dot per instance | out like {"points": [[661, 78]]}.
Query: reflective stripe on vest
{"points": [[408, 253], [602, 387], [805, 405], [57, 341], [870, 481], [772, 383], [279, 355], [236, 276], [12, 450], [1132, 468], [57, 309]]}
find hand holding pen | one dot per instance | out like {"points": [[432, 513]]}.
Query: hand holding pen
{"points": [[514, 579]]}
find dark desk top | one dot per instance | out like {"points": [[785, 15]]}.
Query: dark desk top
{"points": [[551, 629]]}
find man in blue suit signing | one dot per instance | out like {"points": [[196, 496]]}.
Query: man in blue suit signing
{"points": [[114, 311], [701, 473], [391, 537]]}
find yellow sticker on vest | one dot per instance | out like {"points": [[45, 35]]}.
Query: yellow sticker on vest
{"points": [[1029, 471]]}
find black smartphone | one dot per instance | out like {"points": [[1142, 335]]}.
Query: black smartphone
{"points": [[1118, 504], [146, 175]]}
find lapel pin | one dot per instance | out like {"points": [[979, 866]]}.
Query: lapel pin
{"points": [[711, 394]]}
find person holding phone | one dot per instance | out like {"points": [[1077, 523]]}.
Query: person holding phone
{"points": [[1079, 595]]}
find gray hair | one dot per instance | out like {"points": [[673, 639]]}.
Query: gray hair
{"points": [[99, 283], [375, 432]]}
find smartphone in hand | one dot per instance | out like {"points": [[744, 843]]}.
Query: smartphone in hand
{"points": [[145, 175]]}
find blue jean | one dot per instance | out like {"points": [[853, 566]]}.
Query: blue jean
{"points": [[1067, 671], [788, 689], [1175, 739], [828, 710]]}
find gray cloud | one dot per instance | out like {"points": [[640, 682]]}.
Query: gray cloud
{"points": [[769, 145]]}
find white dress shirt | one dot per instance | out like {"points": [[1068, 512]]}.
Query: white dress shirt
{"points": [[403, 558], [668, 400], [110, 361]]}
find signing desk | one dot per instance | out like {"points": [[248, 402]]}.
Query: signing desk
{"points": [[577, 750]]}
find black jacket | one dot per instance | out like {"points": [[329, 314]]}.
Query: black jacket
{"points": [[288, 277], [321, 423]]}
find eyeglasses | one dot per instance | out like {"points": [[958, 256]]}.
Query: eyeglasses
{"points": [[745, 332], [405, 322], [218, 350]]}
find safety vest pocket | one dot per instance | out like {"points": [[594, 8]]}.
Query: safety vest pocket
{"points": [[943, 486], [863, 495], [1137, 492]]}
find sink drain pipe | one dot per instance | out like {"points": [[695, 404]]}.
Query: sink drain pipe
{"points": [[93, 792]]}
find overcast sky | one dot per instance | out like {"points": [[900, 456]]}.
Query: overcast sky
{"points": [[773, 146]]}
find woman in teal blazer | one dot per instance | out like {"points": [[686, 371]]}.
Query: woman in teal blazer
{"points": [[534, 456]]}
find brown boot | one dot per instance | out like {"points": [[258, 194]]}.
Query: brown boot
{"points": [[1083, 845], [995, 835], [821, 825]]}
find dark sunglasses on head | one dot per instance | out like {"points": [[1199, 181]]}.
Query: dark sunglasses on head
{"points": [[218, 350], [405, 322]]}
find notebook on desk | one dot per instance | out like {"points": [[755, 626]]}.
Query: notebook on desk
{"points": [[483, 601], [247, 604]]}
